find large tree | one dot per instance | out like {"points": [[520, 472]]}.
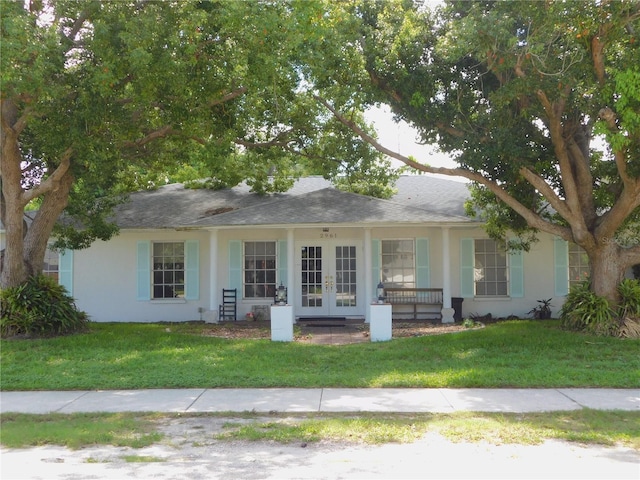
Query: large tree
{"points": [[104, 97], [517, 93]]}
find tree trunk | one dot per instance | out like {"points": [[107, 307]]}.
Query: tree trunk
{"points": [[607, 271], [13, 268], [37, 238]]}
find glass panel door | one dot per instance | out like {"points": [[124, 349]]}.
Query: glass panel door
{"points": [[328, 279], [312, 281], [346, 276]]}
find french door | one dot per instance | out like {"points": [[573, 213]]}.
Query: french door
{"points": [[327, 276]]}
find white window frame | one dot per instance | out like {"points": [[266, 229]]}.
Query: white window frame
{"points": [[259, 281], [407, 272], [578, 264], [168, 275], [51, 265], [488, 263]]}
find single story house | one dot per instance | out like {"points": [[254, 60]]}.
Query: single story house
{"points": [[178, 249]]}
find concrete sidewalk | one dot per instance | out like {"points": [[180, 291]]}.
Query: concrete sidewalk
{"points": [[198, 400]]}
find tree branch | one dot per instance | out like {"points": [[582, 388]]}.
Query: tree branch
{"points": [[51, 183], [229, 96], [554, 112], [533, 219], [611, 121]]}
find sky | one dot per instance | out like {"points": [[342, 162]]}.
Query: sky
{"points": [[403, 139]]}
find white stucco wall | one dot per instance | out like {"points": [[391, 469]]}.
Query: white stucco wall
{"points": [[105, 274], [104, 281]]}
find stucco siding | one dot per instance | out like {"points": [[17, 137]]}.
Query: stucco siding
{"points": [[105, 281]]}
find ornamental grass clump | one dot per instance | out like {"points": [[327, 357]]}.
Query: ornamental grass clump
{"points": [[630, 308], [585, 311], [39, 308]]}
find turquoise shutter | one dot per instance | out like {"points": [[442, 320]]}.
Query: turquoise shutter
{"points": [[376, 275], [282, 263], [192, 270], [423, 273], [516, 274], [144, 270], [235, 266], [561, 266], [65, 270], [467, 267]]}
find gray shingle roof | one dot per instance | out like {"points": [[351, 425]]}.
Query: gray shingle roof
{"points": [[312, 200]]}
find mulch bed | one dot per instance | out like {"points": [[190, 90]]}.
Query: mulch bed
{"points": [[262, 329]]}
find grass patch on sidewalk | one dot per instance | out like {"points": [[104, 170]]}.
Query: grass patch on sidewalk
{"points": [[79, 430], [139, 430], [522, 354]]}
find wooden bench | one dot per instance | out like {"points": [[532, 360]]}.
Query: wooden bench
{"points": [[414, 297]]}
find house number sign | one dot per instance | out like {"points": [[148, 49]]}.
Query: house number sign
{"points": [[328, 235]]}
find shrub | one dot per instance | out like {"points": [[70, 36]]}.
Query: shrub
{"points": [[629, 297], [583, 310], [39, 307], [629, 310]]}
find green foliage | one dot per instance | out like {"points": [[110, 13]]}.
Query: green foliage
{"points": [[515, 92], [583, 310], [40, 308], [142, 94], [542, 311], [630, 297]]}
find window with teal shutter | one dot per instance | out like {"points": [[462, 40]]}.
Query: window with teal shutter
{"points": [[423, 271], [65, 270], [144, 270], [192, 270], [516, 274], [467, 266], [561, 266]]}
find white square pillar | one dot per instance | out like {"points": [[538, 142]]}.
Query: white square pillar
{"points": [[282, 323], [380, 322]]}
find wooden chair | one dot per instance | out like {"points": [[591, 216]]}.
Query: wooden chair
{"points": [[228, 308]]}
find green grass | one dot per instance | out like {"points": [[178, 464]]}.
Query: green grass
{"points": [[582, 426], [79, 430], [139, 430], [522, 354]]}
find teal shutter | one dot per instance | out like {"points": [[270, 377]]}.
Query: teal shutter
{"points": [[423, 272], [376, 275], [235, 266], [65, 270], [144, 270], [283, 263], [467, 267], [561, 266], [192, 270], [516, 274]]}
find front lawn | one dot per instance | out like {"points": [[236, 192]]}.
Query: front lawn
{"points": [[521, 353]]}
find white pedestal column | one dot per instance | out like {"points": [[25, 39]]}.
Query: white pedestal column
{"points": [[380, 322], [282, 323]]}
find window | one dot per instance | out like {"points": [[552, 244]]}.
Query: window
{"points": [[490, 269], [579, 269], [398, 263], [168, 270], [259, 269], [51, 267]]}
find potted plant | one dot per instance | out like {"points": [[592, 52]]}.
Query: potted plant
{"points": [[542, 311]]}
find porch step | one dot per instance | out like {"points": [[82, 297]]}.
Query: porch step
{"points": [[322, 321]]}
